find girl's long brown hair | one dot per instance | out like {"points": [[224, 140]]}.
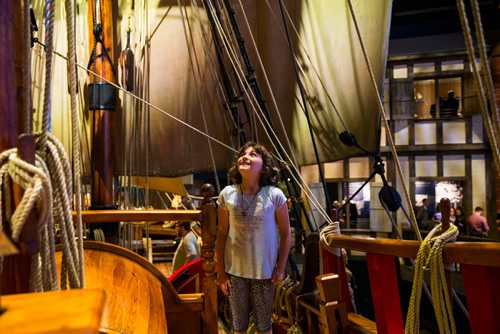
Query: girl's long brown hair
{"points": [[270, 171]]}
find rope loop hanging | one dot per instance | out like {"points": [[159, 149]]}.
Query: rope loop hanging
{"points": [[37, 197], [430, 256]]}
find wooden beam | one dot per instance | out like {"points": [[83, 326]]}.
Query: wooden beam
{"points": [[113, 216], [476, 253], [432, 149]]}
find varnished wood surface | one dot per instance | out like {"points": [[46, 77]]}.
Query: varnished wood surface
{"points": [[208, 233], [134, 288], [160, 230], [64, 312], [360, 325], [139, 297], [8, 111], [477, 253], [108, 216]]}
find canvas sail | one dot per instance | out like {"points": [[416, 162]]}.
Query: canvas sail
{"points": [[175, 65]]}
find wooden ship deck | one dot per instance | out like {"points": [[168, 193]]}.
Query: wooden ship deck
{"points": [[124, 291]]}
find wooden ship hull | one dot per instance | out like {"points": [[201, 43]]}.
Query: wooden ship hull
{"points": [[161, 120]]}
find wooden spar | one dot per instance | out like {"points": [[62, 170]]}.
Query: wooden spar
{"points": [[16, 268], [102, 97]]}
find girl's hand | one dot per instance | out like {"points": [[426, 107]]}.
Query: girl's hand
{"points": [[224, 283], [278, 275]]}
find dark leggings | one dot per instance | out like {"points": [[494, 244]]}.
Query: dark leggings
{"points": [[248, 294]]}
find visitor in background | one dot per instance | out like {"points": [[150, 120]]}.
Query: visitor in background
{"points": [[422, 214], [478, 225], [188, 249], [436, 218], [460, 220]]}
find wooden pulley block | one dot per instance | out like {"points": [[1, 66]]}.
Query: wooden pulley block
{"points": [[127, 66]]}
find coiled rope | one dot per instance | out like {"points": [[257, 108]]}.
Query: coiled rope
{"points": [[430, 255], [330, 230], [59, 172], [47, 190], [325, 235], [37, 196], [60, 175]]}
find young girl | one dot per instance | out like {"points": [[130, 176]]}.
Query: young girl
{"points": [[253, 238]]}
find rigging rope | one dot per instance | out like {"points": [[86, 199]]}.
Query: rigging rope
{"points": [[190, 45], [58, 168], [36, 182], [244, 84], [306, 111], [490, 128], [386, 123], [311, 64], [72, 79], [295, 173], [485, 67], [430, 255], [224, 99]]}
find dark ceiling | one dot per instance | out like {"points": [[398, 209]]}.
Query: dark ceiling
{"points": [[417, 18]]}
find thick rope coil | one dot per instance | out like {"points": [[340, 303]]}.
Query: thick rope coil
{"points": [[278, 295], [330, 230], [430, 255], [37, 196], [60, 175]]}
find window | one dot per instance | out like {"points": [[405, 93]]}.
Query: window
{"points": [[447, 91], [435, 190], [424, 96]]}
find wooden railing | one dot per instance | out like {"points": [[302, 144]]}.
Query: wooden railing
{"points": [[113, 216], [479, 263]]}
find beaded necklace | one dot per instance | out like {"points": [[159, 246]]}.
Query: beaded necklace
{"points": [[243, 209]]}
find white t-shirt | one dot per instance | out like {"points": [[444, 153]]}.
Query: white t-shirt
{"points": [[187, 246], [252, 242]]}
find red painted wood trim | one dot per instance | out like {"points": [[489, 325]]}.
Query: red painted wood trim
{"points": [[483, 298], [385, 293], [334, 264]]}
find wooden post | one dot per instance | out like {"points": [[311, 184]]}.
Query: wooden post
{"points": [[208, 234], [10, 28], [335, 264], [102, 99], [16, 268], [102, 177], [332, 309], [444, 208]]}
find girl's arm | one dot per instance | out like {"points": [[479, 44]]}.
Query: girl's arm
{"points": [[283, 222], [220, 249]]}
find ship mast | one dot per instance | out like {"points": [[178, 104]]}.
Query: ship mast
{"points": [[102, 100]]}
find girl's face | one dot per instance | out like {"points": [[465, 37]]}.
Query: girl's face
{"points": [[250, 162], [452, 211]]}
